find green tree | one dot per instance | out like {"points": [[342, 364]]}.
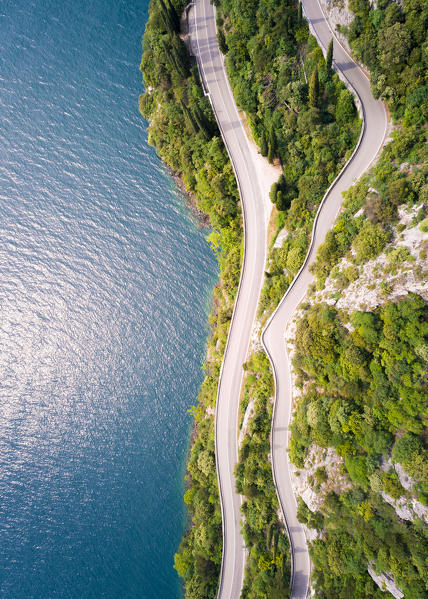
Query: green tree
{"points": [[329, 58], [271, 153], [394, 45], [345, 110], [314, 88], [406, 448], [169, 15], [173, 15], [222, 44], [273, 193], [263, 145], [370, 241], [183, 562]]}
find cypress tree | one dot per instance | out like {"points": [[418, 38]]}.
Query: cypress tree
{"points": [[275, 543], [285, 570], [314, 88], [166, 17], [271, 144], [269, 536], [271, 154], [181, 53], [178, 63], [175, 58], [329, 58], [273, 193], [171, 58], [280, 200], [300, 14], [173, 16], [263, 145], [188, 117], [201, 122], [222, 44]]}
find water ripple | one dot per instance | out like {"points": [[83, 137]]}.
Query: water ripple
{"points": [[105, 285]]}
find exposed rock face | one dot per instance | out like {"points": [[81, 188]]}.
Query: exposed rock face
{"points": [[385, 582], [407, 507], [304, 480], [365, 293], [338, 13], [249, 413]]}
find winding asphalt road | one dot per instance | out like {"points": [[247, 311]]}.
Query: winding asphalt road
{"points": [[372, 137], [202, 29]]}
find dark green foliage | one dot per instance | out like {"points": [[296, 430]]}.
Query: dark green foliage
{"points": [[406, 448], [263, 145], [282, 193], [273, 193], [329, 58], [345, 110], [370, 241], [268, 562], [221, 41], [389, 40], [184, 131], [365, 396], [314, 89], [271, 152], [270, 54], [168, 15]]}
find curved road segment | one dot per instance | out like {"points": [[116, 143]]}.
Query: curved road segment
{"points": [[373, 134], [202, 30]]}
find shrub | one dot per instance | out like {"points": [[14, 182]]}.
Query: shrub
{"points": [[406, 448], [370, 241], [345, 111]]}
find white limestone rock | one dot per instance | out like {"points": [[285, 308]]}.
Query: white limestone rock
{"points": [[385, 582]]}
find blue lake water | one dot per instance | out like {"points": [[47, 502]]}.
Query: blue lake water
{"points": [[104, 291]]}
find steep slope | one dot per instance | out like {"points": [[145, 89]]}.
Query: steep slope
{"points": [[273, 336]]}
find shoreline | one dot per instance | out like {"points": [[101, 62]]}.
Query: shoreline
{"points": [[183, 129], [202, 219]]}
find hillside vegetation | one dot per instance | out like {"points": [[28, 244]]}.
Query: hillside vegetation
{"points": [[365, 394], [298, 110], [390, 39], [184, 131], [378, 387], [363, 373]]}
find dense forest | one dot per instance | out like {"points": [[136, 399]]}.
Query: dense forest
{"points": [[303, 117], [390, 39]]}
